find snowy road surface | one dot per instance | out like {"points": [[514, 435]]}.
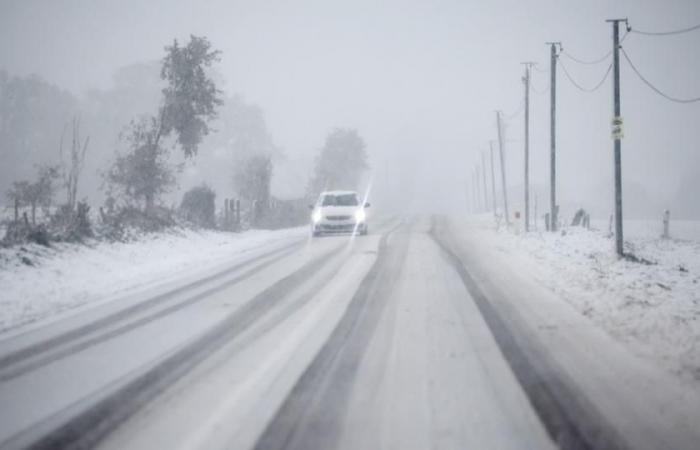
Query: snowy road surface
{"points": [[411, 337]]}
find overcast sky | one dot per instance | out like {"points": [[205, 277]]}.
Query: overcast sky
{"points": [[419, 79]]}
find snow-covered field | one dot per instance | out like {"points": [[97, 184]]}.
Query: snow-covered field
{"points": [[651, 229], [66, 276], [654, 308]]}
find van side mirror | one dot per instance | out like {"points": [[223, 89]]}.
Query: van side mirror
{"points": [[367, 205]]}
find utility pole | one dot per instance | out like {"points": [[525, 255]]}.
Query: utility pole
{"points": [[526, 82], [503, 166], [475, 195], [477, 187], [617, 135], [483, 178], [552, 137], [466, 196], [471, 192], [493, 180]]}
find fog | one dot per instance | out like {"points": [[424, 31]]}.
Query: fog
{"points": [[420, 81]]}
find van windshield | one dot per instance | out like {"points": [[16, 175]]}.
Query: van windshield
{"points": [[339, 200]]}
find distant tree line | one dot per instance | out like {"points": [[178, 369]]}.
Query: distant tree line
{"points": [[168, 112]]}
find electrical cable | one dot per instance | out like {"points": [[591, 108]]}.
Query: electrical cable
{"points": [[654, 88], [538, 91], [624, 36], [533, 88], [515, 113], [587, 62], [592, 61], [665, 33], [581, 88]]}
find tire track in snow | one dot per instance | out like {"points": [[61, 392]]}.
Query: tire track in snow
{"points": [[37, 355], [308, 416], [571, 421], [89, 420]]}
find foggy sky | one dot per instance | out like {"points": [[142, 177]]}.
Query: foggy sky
{"points": [[420, 80]]}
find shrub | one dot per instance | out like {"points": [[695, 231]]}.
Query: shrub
{"points": [[199, 207]]}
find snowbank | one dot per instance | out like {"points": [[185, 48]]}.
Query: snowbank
{"points": [[654, 309], [66, 276]]}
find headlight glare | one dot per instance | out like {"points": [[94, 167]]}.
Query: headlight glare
{"points": [[360, 215]]}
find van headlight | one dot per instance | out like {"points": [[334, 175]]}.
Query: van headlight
{"points": [[316, 216], [360, 215]]}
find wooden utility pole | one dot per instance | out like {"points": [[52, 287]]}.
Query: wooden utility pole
{"points": [[503, 166], [476, 188], [526, 82], [552, 137], [475, 199], [617, 135], [493, 180], [466, 196], [483, 178]]}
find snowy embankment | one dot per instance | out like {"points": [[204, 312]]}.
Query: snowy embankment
{"points": [[654, 307], [40, 282]]}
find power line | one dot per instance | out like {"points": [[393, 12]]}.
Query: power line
{"points": [[532, 87], [587, 62], [666, 33], [581, 88], [591, 62], [654, 88], [515, 113], [538, 91]]}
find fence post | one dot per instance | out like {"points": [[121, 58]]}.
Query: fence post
{"points": [[226, 213], [238, 213]]}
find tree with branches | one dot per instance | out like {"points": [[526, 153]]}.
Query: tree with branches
{"points": [[190, 100], [38, 193], [72, 169], [340, 163]]}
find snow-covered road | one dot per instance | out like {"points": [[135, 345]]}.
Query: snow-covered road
{"points": [[412, 337]]}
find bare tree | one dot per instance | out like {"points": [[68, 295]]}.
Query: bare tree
{"points": [[35, 194], [74, 166]]}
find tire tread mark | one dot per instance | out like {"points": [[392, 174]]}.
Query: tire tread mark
{"points": [[71, 348], [47, 345], [92, 424], [571, 422], [337, 361]]}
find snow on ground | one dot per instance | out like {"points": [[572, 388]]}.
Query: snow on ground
{"points": [[642, 229], [66, 276], [654, 308]]}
